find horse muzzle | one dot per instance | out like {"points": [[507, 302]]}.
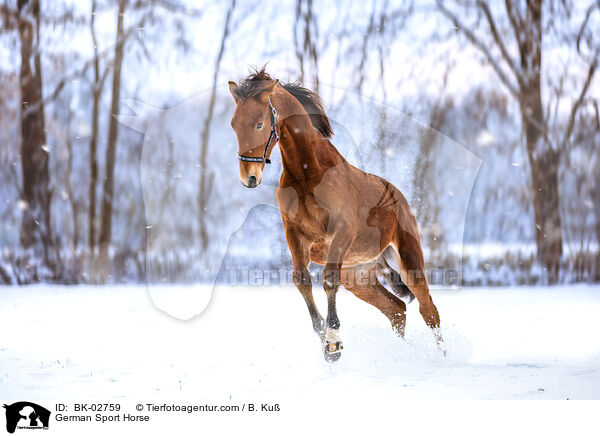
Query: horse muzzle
{"points": [[252, 182]]}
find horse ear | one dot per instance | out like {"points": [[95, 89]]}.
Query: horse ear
{"points": [[265, 94], [232, 88]]}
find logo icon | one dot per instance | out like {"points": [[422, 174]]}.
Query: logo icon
{"points": [[26, 415]]}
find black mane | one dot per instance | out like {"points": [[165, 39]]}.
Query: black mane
{"points": [[252, 85]]}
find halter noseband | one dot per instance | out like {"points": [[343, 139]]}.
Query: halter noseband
{"points": [[274, 134]]}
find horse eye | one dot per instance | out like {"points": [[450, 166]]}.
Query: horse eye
{"points": [[258, 126]]}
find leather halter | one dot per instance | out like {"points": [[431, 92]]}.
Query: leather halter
{"points": [[274, 134]]}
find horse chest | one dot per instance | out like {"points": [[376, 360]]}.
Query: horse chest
{"points": [[302, 214]]}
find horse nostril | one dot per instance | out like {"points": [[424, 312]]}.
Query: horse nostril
{"points": [[251, 181]]}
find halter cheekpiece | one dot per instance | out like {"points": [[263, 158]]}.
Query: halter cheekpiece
{"points": [[274, 134]]}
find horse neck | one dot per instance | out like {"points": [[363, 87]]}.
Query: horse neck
{"points": [[302, 147]]}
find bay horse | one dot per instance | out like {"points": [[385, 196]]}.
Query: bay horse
{"points": [[334, 214]]}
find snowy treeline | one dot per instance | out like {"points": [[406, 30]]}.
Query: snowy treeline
{"points": [[119, 164]]}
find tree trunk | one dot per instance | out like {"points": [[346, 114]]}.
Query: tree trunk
{"points": [[113, 132], [72, 275], [543, 159], [543, 162], [93, 163], [36, 232], [548, 235], [93, 144], [69, 189]]}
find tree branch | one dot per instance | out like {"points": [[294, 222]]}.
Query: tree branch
{"points": [[488, 15], [515, 20], [11, 16], [588, 13], [176, 8], [481, 46], [61, 84], [577, 104]]}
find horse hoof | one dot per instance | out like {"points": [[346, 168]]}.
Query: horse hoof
{"points": [[332, 351], [332, 357]]}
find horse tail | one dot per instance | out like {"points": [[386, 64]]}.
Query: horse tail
{"points": [[400, 287], [393, 277]]}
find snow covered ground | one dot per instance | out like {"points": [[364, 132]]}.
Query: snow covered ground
{"points": [[257, 343]]}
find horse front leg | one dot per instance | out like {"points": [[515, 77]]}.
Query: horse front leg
{"points": [[299, 249], [332, 345], [301, 278]]}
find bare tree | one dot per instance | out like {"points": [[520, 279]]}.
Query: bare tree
{"points": [[427, 205], [306, 35], [596, 171], [72, 271], [583, 163], [522, 76], [205, 180], [36, 230], [97, 87], [113, 132]]}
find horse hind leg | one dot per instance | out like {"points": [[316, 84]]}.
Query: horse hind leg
{"points": [[412, 271], [363, 283]]}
